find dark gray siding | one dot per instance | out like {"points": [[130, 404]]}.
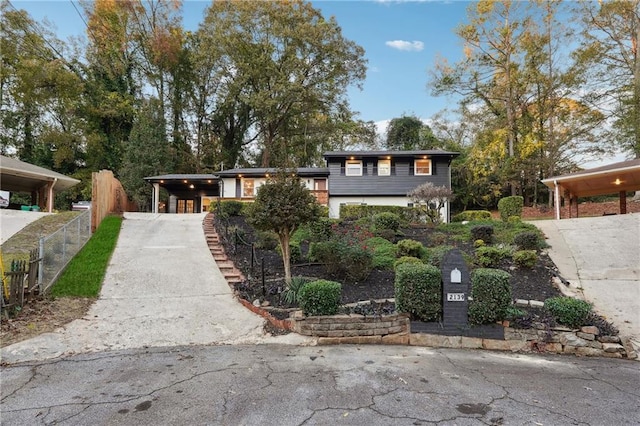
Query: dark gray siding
{"points": [[400, 182]]}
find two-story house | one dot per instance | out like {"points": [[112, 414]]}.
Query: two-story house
{"points": [[351, 177]]}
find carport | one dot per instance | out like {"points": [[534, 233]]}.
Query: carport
{"points": [[617, 178], [18, 176]]}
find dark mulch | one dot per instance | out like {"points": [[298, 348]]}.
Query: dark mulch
{"points": [[527, 283]]}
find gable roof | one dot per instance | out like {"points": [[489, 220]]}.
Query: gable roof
{"points": [[19, 176]]}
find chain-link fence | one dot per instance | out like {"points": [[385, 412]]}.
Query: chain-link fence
{"points": [[57, 249]]}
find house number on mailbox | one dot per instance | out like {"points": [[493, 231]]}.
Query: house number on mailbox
{"points": [[455, 297]]}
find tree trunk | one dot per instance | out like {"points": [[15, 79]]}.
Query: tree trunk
{"points": [[286, 257]]}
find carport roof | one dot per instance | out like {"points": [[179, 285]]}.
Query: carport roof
{"points": [[18, 176], [610, 179]]}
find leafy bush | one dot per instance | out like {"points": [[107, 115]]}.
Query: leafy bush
{"points": [[291, 294], [491, 295], [386, 220], [469, 215], [354, 212], [384, 252], [434, 255], [418, 291], [478, 243], [512, 313], [387, 234], [568, 311], [510, 206], [294, 251], [482, 232], [411, 248], [231, 207], [406, 259], [490, 256], [437, 238], [320, 297], [267, 240], [352, 262], [527, 240], [321, 229], [525, 258]]}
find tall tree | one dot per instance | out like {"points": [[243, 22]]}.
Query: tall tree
{"points": [[609, 52], [287, 64], [409, 133]]}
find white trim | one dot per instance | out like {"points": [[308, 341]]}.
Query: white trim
{"points": [[415, 167], [387, 167], [353, 162]]}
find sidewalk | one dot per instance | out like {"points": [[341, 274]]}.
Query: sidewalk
{"points": [[600, 257], [162, 288]]}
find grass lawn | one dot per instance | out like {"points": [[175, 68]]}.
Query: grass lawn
{"points": [[84, 274]]}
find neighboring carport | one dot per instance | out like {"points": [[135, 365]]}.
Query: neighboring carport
{"points": [[618, 178], [18, 176]]}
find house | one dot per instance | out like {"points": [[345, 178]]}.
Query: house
{"points": [[351, 177], [383, 178]]}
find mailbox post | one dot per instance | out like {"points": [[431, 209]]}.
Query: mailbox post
{"points": [[456, 289]]}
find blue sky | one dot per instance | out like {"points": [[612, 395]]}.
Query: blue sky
{"points": [[401, 39]]}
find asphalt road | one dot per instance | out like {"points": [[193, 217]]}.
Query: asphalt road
{"points": [[293, 385]]}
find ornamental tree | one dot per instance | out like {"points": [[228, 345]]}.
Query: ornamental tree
{"points": [[431, 198], [282, 204]]}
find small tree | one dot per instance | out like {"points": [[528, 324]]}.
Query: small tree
{"points": [[282, 205], [432, 198]]}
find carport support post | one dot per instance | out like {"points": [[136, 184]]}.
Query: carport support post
{"points": [[156, 197], [557, 198], [623, 202]]}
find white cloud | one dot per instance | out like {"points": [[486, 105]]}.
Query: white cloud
{"points": [[409, 46]]}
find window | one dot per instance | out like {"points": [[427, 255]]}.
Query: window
{"points": [[353, 168], [422, 167], [248, 188], [384, 167]]}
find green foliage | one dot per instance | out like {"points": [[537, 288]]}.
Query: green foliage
{"points": [[267, 240], [510, 206], [525, 258], [386, 220], [512, 313], [387, 234], [84, 275], [491, 293], [411, 248], [321, 229], [469, 215], [354, 212], [488, 257], [291, 294], [527, 240], [482, 232], [353, 262], [295, 252], [568, 311], [434, 255], [431, 199], [406, 259], [231, 207], [479, 243], [409, 133], [384, 252], [418, 291], [320, 297]]}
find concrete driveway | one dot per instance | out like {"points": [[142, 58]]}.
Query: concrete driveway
{"points": [[600, 257], [162, 288]]}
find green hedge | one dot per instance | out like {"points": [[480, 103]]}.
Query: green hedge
{"points": [[386, 220], [418, 291], [568, 311], [343, 259], [510, 206], [354, 212], [228, 207], [406, 259], [491, 293], [320, 297], [469, 215]]}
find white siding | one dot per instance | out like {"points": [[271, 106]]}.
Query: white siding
{"points": [[334, 204]]}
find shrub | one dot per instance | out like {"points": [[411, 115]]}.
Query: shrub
{"points": [[512, 313], [490, 256], [352, 262], [291, 294], [491, 295], [387, 234], [482, 232], [320, 297], [438, 238], [411, 248], [514, 219], [478, 243], [527, 240], [354, 212], [418, 291], [384, 252], [267, 240], [434, 255], [510, 206], [386, 220], [406, 259], [321, 229], [568, 311], [469, 215], [295, 252], [525, 258], [231, 207]]}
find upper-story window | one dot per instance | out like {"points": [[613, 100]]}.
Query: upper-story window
{"points": [[384, 167], [353, 168], [248, 188], [422, 167]]}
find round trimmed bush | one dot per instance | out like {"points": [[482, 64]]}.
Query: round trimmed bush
{"points": [[527, 240], [386, 220], [411, 248], [568, 311], [418, 291], [320, 297], [525, 258]]}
